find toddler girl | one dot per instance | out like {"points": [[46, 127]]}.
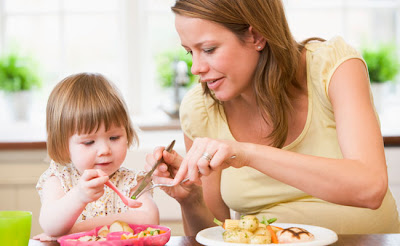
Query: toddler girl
{"points": [[89, 132]]}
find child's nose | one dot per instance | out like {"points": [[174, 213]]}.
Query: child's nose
{"points": [[104, 149]]}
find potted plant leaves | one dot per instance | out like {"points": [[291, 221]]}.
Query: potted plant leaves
{"points": [[175, 77], [383, 67], [18, 77]]}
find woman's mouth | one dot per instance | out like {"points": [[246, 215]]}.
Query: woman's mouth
{"points": [[213, 84]]}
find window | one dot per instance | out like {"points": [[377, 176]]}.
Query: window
{"points": [[120, 38]]}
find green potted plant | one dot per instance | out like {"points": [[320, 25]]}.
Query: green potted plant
{"points": [[165, 67], [18, 77], [383, 67], [175, 77]]}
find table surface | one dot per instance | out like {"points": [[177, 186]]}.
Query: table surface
{"points": [[353, 240]]}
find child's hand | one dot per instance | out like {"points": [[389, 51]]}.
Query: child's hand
{"points": [[43, 237], [91, 185]]}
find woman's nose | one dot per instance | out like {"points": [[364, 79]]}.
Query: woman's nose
{"points": [[199, 66]]}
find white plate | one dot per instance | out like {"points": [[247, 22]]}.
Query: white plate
{"points": [[322, 236]]}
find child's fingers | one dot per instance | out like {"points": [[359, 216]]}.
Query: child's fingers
{"points": [[101, 172], [97, 182], [89, 174]]}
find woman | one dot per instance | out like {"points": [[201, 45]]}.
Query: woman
{"points": [[276, 128]]}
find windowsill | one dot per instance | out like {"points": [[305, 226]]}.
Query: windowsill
{"points": [[32, 134]]}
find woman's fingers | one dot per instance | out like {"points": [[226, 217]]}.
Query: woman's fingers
{"points": [[181, 174], [205, 156]]}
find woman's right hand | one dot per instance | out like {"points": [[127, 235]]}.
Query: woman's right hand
{"points": [[166, 171]]}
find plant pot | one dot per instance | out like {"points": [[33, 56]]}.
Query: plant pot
{"points": [[172, 98], [380, 91], [19, 104]]}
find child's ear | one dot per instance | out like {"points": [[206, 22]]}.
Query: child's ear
{"points": [[258, 40]]}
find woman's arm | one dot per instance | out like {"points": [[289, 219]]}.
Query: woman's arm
{"points": [[204, 204], [359, 179]]}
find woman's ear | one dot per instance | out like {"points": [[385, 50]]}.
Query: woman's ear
{"points": [[258, 40]]}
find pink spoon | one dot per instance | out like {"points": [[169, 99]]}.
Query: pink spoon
{"points": [[126, 200]]}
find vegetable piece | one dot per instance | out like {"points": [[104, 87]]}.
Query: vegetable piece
{"points": [[237, 236], [120, 226], [231, 224], [276, 228], [260, 239], [228, 224], [274, 238], [218, 222], [249, 222], [262, 231], [103, 231]]}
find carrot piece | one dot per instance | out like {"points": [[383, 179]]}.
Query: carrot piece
{"points": [[274, 238], [276, 228]]}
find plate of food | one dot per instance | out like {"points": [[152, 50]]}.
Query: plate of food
{"points": [[119, 233], [249, 231]]}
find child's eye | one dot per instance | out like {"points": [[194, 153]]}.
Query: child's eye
{"points": [[114, 138], [88, 142]]}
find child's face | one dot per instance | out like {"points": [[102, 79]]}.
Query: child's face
{"points": [[105, 150]]}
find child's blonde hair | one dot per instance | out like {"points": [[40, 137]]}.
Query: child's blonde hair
{"points": [[80, 103]]}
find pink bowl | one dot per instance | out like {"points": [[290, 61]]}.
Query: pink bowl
{"points": [[114, 238]]}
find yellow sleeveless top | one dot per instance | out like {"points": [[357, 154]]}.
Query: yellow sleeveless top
{"points": [[249, 191]]}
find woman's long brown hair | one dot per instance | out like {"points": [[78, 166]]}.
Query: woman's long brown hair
{"points": [[279, 60]]}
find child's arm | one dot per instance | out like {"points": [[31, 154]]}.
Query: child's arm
{"points": [[60, 211], [146, 214]]}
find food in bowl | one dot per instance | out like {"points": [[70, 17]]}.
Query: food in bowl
{"points": [[119, 233]]}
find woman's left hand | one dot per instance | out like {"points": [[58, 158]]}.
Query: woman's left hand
{"points": [[207, 155]]}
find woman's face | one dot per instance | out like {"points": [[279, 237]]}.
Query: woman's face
{"points": [[220, 59]]}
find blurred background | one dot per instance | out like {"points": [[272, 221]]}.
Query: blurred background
{"points": [[134, 43]]}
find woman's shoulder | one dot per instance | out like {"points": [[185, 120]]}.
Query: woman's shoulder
{"points": [[332, 44], [324, 58], [331, 51], [195, 111], [194, 97]]}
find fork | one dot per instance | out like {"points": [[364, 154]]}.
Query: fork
{"points": [[157, 185], [163, 185]]}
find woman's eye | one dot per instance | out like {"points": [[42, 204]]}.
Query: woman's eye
{"points": [[88, 142], [114, 138], [209, 50], [189, 52]]}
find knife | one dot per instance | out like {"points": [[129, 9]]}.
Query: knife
{"points": [[147, 179]]}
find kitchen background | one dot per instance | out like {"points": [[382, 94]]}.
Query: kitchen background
{"points": [[134, 43]]}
